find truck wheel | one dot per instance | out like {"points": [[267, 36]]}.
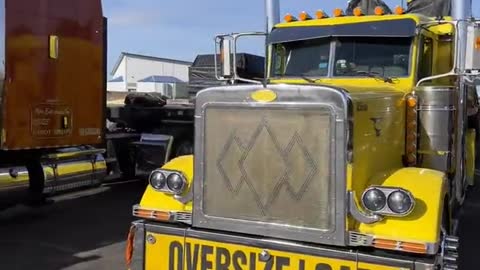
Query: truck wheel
{"points": [[36, 177]]}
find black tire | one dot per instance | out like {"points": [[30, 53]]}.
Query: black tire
{"points": [[36, 181]]}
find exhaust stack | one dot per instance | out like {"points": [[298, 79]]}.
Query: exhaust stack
{"points": [[272, 10], [461, 12]]}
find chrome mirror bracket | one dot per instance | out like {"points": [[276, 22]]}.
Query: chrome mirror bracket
{"points": [[186, 198], [358, 214]]}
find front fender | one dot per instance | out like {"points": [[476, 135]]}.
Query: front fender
{"points": [[429, 188], [156, 200]]}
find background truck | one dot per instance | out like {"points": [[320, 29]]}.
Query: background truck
{"points": [[355, 152], [52, 65], [150, 129]]}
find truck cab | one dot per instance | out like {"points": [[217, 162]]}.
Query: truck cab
{"points": [[355, 152]]}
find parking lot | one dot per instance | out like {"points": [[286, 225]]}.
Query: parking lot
{"points": [[82, 230], [87, 230]]}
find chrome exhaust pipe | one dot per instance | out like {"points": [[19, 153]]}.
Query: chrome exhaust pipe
{"points": [[272, 10], [461, 12]]}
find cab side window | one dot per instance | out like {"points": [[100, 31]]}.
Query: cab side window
{"points": [[425, 57]]}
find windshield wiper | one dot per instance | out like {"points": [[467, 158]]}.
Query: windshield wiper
{"points": [[376, 75], [308, 79]]}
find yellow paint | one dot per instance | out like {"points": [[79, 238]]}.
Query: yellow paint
{"points": [[264, 95], [470, 156], [157, 255], [156, 200], [53, 44], [429, 188], [166, 254]]}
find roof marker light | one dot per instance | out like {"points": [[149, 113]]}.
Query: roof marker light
{"points": [[338, 12], [320, 14], [358, 11], [290, 18], [379, 11], [399, 10], [304, 16]]}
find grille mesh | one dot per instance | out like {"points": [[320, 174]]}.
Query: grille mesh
{"points": [[269, 165]]}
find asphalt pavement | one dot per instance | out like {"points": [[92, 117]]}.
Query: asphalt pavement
{"points": [[81, 230], [86, 230]]}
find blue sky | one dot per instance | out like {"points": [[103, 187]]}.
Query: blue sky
{"points": [[181, 29]]}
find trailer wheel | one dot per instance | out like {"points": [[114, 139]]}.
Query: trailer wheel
{"points": [[36, 182]]}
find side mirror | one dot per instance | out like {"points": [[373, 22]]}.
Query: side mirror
{"points": [[226, 57], [226, 62]]}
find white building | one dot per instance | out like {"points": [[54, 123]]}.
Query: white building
{"points": [[169, 86], [132, 68]]}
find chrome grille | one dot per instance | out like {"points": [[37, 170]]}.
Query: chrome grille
{"points": [[269, 165]]}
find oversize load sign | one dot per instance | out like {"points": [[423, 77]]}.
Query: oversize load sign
{"points": [[172, 253]]}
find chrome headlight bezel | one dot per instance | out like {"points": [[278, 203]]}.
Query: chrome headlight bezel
{"points": [[386, 210], [166, 188]]}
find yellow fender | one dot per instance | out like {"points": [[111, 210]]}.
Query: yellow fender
{"points": [[156, 200], [429, 188]]}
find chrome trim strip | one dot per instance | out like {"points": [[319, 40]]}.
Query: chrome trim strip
{"points": [[402, 262], [164, 228], [185, 198], [138, 246], [358, 214], [273, 244]]}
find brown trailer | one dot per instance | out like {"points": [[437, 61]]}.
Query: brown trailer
{"points": [[52, 84]]}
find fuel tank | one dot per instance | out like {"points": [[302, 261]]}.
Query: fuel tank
{"points": [[52, 89], [64, 169]]}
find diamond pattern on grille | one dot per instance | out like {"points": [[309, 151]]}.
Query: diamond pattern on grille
{"points": [[296, 182], [269, 165]]}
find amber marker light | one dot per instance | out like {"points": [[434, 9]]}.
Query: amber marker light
{"points": [[290, 18], [338, 12], [358, 11], [399, 10], [320, 14], [477, 43], [379, 11], [411, 130], [411, 102], [304, 16]]}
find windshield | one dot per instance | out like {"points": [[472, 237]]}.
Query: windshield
{"points": [[354, 57]]}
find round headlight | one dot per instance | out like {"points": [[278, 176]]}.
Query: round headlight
{"points": [[157, 180], [175, 183], [374, 200], [400, 202]]}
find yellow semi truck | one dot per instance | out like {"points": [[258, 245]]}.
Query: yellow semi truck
{"points": [[355, 153]]}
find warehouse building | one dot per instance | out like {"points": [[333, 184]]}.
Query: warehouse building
{"points": [[139, 73]]}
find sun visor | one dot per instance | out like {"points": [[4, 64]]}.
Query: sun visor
{"points": [[392, 28]]}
